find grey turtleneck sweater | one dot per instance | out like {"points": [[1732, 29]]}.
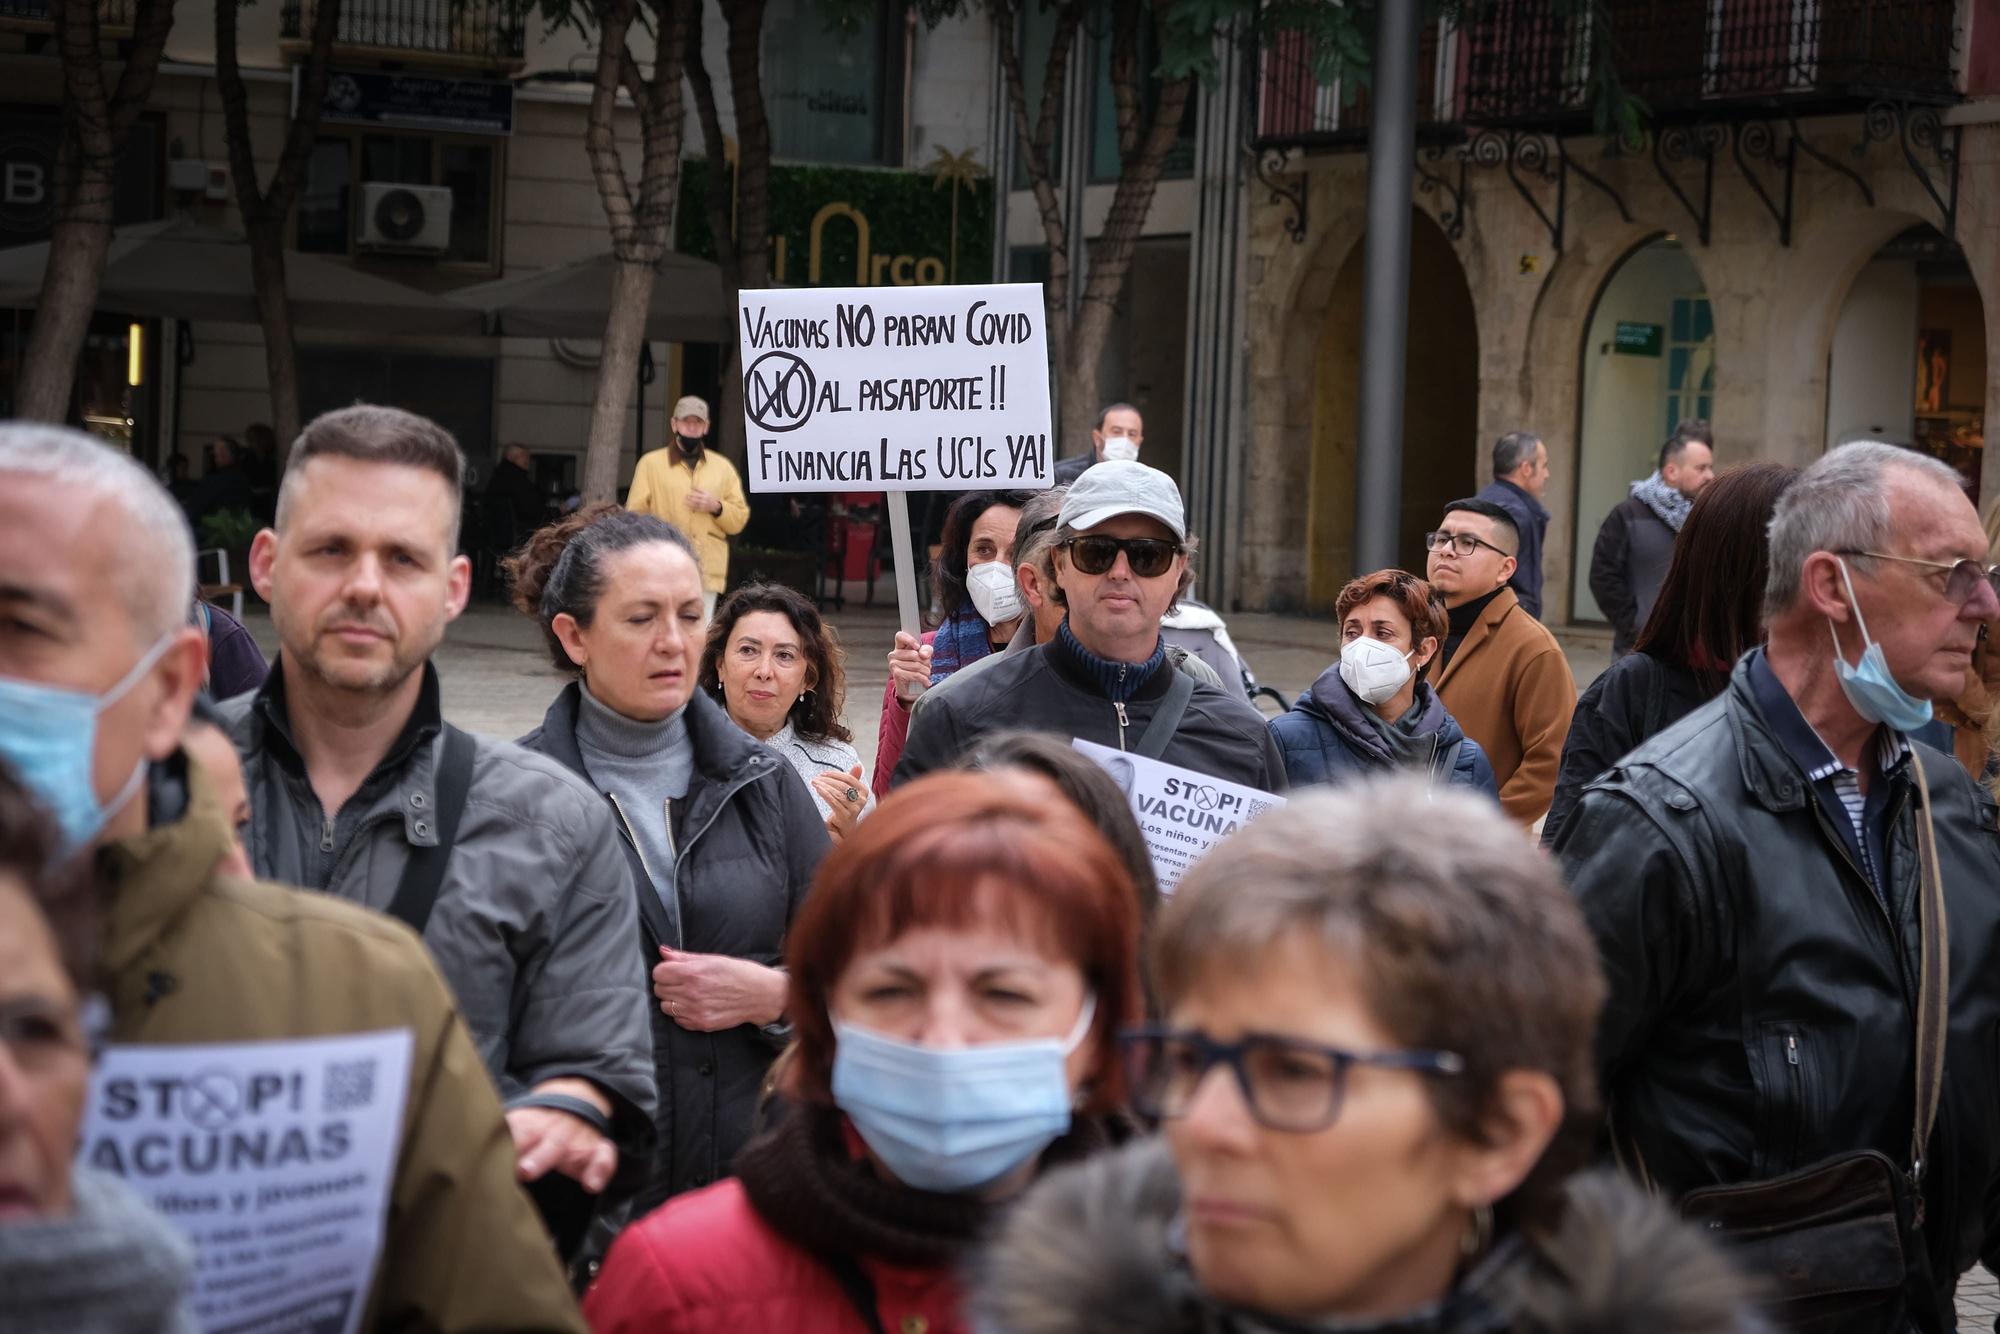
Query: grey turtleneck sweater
{"points": [[645, 767]]}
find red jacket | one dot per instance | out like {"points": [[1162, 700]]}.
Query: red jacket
{"points": [[708, 1261]]}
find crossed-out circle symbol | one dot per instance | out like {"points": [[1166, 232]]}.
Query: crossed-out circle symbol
{"points": [[212, 1099], [778, 391], [1205, 796]]}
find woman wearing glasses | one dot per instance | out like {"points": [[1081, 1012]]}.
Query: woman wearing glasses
{"points": [[1375, 1080], [1374, 711], [956, 977]]}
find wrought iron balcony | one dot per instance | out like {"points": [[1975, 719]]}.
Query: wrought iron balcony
{"points": [[1295, 110], [484, 32], [1528, 65]]}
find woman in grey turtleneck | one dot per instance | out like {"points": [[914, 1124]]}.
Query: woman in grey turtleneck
{"points": [[723, 835]]}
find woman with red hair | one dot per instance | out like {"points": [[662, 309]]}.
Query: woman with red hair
{"points": [[958, 975]]}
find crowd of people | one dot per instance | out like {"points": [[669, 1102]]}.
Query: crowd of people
{"points": [[711, 1029]]}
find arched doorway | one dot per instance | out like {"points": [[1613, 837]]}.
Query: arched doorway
{"points": [[1440, 410], [1908, 360], [1648, 363]]}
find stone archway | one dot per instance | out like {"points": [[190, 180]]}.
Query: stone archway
{"points": [[1440, 407]]}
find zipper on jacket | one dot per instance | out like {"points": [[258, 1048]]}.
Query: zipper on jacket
{"points": [[1123, 721], [625, 827], [1792, 1050], [326, 833]]}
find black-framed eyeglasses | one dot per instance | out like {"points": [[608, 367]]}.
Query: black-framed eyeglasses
{"points": [[1462, 543], [1961, 577], [1287, 1084], [1149, 557]]}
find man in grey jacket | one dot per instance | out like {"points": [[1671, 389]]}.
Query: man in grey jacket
{"points": [[533, 917], [1636, 544], [1120, 560]]}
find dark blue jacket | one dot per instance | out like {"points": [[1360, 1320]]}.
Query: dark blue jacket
{"points": [[1326, 738], [1533, 521]]}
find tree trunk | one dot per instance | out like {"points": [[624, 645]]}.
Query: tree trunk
{"points": [[274, 314], [726, 431], [753, 144], [96, 123], [617, 367]]}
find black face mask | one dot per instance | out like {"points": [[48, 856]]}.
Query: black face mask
{"points": [[691, 445]]}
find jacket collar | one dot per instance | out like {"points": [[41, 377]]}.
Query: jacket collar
{"points": [[1073, 669], [151, 879], [271, 725], [724, 754], [1778, 751], [1534, 506], [1482, 630]]}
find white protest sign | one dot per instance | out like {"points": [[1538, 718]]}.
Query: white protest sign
{"points": [[1182, 813], [273, 1158], [896, 388]]}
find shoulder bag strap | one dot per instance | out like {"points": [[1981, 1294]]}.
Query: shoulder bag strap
{"points": [[1167, 718], [854, 1284], [423, 873], [1934, 976]]}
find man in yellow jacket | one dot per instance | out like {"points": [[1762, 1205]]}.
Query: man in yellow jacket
{"points": [[697, 491]]}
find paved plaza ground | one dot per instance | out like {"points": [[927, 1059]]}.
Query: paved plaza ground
{"points": [[497, 678]]}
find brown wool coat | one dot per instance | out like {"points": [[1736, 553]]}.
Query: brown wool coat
{"points": [[227, 959], [1510, 689]]}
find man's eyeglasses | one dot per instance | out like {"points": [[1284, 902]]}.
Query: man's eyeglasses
{"points": [[1149, 557], [1962, 578], [1288, 1085], [1462, 543]]}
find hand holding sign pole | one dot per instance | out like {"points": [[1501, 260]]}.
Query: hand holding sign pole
{"points": [[896, 389]]}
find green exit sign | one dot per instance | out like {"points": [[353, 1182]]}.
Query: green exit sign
{"points": [[1637, 340]]}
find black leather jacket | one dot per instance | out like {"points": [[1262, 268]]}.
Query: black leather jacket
{"points": [[1761, 1007]]}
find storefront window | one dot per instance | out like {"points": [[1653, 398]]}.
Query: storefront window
{"points": [[833, 97]]}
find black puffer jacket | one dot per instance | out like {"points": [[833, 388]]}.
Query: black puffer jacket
{"points": [[1637, 697], [749, 840], [1091, 1250], [1761, 1008]]}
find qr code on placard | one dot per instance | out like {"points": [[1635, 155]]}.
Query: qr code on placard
{"points": [[349, 1085]]}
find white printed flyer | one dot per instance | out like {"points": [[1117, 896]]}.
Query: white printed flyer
{"points": [[1181, 813]]}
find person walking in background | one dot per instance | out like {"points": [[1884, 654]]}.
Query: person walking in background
{"points": [[697, 490], [1773, 883], [1636, 542], [78, 1250], [1119, 434], [511, 490], [1520, 479], [1710, 612], [1504, 677], [777, 667], [224, 486], [980, 605], [720, 834], [957, 978], [1374, 1080], [98, 673], [355, 778], [1373, 710]]}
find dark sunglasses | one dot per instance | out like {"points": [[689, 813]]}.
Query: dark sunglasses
{"points": [[1149, 557], [1287, 1084]]}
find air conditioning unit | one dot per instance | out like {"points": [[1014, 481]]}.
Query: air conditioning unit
{"points": [[409, 218]]}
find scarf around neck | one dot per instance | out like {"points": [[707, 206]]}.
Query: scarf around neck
{"points": [[112, 1264], [962, 638], [1670, 505]]}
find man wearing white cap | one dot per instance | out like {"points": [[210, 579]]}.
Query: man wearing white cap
{"points": [[697, 491], [1121, 562]]}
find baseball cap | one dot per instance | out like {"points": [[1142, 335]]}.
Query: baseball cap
{"points": [[691, 406], [1121, 486]]}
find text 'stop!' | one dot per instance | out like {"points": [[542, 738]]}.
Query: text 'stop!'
{"points": [[896, 388]]}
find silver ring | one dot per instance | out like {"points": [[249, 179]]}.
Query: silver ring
{"points": [[854, 794]]}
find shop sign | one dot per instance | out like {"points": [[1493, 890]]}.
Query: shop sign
{"points": [[1637, 340], [28, 140], [420, 102]]}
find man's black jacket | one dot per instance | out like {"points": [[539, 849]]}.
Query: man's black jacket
{"points": [[1761, 1007]]}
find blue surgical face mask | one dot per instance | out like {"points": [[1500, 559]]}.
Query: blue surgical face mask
{"points": [[1869, 686], [49, 736], [953, 1119]]}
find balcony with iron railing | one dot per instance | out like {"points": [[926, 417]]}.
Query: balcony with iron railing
{"points": [[1530, 64], [114, 17], [467, 32]]}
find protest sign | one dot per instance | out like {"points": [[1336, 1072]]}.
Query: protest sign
{"points": [[896, 388], [1182, 813], [273, 1158]]}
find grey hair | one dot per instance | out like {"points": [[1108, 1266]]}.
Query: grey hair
{"points": [[157, 585], [1032, 547], [1839, 503], [1512, 450]]}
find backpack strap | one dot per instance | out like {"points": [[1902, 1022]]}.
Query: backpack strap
{"points": [[423, 873], [1167, 718]]}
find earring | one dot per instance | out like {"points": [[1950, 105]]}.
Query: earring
{"points": [[804, 699], [1478, 1233]]}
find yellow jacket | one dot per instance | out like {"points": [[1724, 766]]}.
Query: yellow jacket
{"points": [[660, 487]]}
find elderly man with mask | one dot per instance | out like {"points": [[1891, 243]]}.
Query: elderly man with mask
{"points": [[1786, 997], [98, 671], [1119, 559]]}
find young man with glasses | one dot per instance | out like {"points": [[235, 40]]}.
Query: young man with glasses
{"points": [[1120, 562], [1504, 676]]}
